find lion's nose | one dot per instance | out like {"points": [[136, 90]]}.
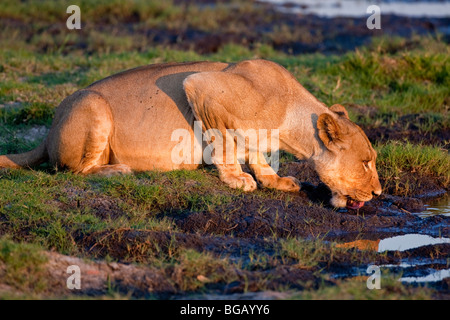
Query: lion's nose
{"points": [[376, 188]]}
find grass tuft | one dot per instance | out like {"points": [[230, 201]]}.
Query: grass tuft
{"points": [[396, 159], [21, 266]]}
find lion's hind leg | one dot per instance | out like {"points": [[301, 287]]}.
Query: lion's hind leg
{"points": [[81, 137], [109, 169]]}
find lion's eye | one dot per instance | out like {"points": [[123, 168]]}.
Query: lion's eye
{"points": [[366, 163]]}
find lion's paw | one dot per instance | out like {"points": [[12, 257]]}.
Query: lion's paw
{"points": [[290, 184], [243, 181]]}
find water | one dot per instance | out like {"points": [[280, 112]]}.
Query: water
{"points": [[440, 206], [396, 243], [411, 270], [409, 241], [358, 8], [438, 275]]}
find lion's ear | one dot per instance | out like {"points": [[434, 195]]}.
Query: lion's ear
{"points": [[329, 131], [340, 110]]}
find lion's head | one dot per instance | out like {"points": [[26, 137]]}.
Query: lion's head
{"points": [[347, 163]]}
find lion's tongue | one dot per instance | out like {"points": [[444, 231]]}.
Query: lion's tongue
{"points": [[351, 204]]}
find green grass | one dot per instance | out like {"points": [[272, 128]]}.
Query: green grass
{"points": [[21, 266], [308, 253], [397, 159], [194, 270], [412, 80], [356, 289], [51, 209], [51, 11], [405, 81]]}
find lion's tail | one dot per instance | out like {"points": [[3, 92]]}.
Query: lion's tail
{"points": [[27, 159]]}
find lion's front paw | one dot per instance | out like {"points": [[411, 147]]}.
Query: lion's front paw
{"points": [[244, 181], [290, 184]]}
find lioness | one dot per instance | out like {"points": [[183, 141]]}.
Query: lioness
{"points": [[125, 122]]}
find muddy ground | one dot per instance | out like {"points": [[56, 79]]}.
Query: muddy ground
{"points": [[250, 226]]}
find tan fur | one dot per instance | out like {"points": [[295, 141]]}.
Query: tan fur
{"points": [[125, 122]]}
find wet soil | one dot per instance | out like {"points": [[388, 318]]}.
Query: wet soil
{"points": [[415, 128], [249, 226], [308, 214]]}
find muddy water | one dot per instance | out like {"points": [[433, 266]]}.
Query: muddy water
{"points": [[433, 277], [420, 269], [415, 240], [438, 207], [409, 241]]}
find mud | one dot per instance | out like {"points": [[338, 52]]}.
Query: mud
{"points": [[248, 226], [308, 214], [251, 226], [411, 127]]}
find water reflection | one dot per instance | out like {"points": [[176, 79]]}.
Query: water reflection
{"points": [[409, 241], [397, 243], [440, 206], [352, 8], [433, 277], [403, 243]]}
